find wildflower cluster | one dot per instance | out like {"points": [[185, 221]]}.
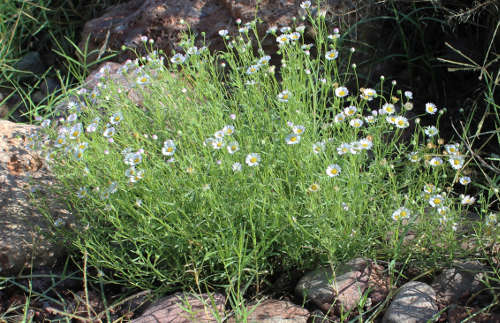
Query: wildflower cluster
{"points": [[204, 162]]}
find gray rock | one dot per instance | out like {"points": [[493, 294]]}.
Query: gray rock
{"points": [[331, 290], [275, 311], [23, 242], [184, 308], [31, 62], [414, 303], [454, 283]]}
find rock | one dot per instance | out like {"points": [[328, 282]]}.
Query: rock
{"points": [[22, 227], [275, 311], [30, 63], [343, 289], [160, 20], [461, 280], [414, 303], [184, 308]]}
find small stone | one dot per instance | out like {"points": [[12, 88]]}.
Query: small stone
{"points": [[184, 308], [414, 303], [343, 289], [275, 311], [31, 62], [461, 280]]}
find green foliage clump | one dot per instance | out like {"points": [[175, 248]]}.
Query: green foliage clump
{"points": [[218, 170]]}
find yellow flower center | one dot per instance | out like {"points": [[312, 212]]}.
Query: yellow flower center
{"points": [[253, 160], [170, 149]]}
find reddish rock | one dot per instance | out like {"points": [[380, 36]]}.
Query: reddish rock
{"points": [[160, 20], [331, 291], [22, 242], [273, 311], [184, 308]]}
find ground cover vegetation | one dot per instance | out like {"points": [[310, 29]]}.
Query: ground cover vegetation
{"points": [[232, 170]]}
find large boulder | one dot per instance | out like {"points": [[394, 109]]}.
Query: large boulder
{"points": [[165, 20], [23, 239]]}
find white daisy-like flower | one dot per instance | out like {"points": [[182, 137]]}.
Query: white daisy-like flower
{"points": [[219, 134], [168, 148], [178, 58], [282, 39], [82, 192], [236, 167], [233, 147], [333, 170], [467, 199], [350, 111], [284, 96], [430, 108], [431, 131], [133, 159], [443, 210], [436, 200], [344, 148], [298, 130], [414, 157], [218, 143], [429, 188], [365, 144], [142, 79], [388, 108], [491, 220], [294, 36], [75, 131], [356, 123], [391, 119], [318, 147], [332, 54], [116, 118], [368, 94], [292, 139], [314, 187], [130, 171], [370, 119], [78, 153], [456, 162], [223, 32], [401, 122], [252, 159], [401, 214], [285, 29], [305, 4], [136, 177], [92, 127], [193, 50], [60, 141], [464, 180], [82, 145], [228, 130], [264, 59], [451, 149], [436, 161], [339, 117], [409, 95], [109, 132], [252, 69], [341, 91]]}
